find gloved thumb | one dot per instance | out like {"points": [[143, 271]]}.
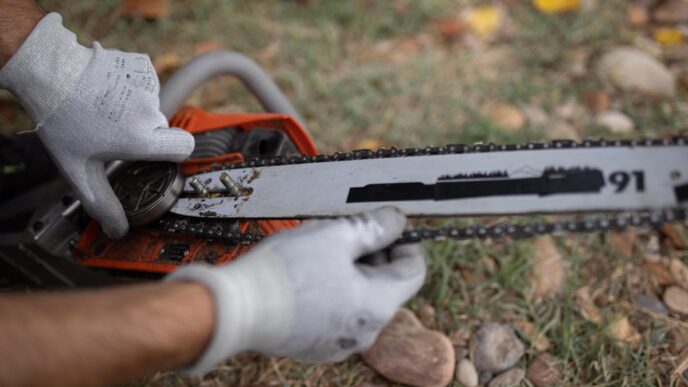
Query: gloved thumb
{"points": [[92, 188], [372, 231], [160, 144]]}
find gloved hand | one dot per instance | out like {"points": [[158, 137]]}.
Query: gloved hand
{"points": [[305, 294], [90, 106]]}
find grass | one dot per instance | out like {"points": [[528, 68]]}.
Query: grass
{"points": [[365, 70]]}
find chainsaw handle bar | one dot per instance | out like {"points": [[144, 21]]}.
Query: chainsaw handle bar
{"points": [[204, 67]]}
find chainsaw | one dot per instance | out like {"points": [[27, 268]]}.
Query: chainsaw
{"points": [[252, 175]]}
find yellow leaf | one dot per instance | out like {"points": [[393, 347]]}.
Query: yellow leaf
{"points": [[485, 20], [556, 6], [669, 36], [368, 143]]}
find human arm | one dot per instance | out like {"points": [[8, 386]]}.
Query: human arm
{"points": [[101, 337], [90, 106], [303, 293], [17, 19]]}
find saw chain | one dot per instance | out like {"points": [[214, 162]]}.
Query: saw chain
{"points": [[225, 230]]}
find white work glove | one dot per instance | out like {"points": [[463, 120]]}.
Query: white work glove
{"points": [[305, 294], [90, 106]]}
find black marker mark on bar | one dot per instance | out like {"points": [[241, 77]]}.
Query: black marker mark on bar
{"points": [[681, 192], [552, 182]]}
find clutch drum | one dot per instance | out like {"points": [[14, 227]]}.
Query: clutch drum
{"points": [[147, 190]]}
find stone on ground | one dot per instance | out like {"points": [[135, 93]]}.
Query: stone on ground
{"points": [[466, 373], [408, 353], [543, 371], [676, 298], [496, 348], [632, 70], [512, 377]]}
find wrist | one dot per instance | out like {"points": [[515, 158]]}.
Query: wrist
{"points": [[253, 307], [46, 68]]}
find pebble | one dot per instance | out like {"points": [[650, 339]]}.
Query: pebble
{"points": [[678, 339], [406, 352], [543, 371], [512, 377], [651, 303], [631, 69], [679, 272], [496, 348], [466, 373], [672, 11], [676, 299], [615, 121]]}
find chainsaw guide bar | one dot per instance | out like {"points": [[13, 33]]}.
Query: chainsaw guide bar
{"points": [[614, 183]]}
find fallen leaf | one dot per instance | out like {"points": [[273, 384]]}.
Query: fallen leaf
{"points": [[203, 47], [678, 339], [674, 236], [622, 330], [147, 9], [549, 269], [538, 339], [597, 101], [624, 242], [679, 272], [452, 28], [166, 64], [368, 143], [637, 15], [556, 6], [506, 115], [659, 272], [668, 36], [587, 307], [485, 21]]}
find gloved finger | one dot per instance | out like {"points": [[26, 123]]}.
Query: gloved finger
{"points": [[162, 144], [370, 232], [91, 186], [392, 284], [401, 263]]}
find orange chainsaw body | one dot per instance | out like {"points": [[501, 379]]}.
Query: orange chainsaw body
{"points": [[151, 249]]}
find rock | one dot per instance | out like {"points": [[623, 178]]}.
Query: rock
{"points": [[535, 115], [651, 303], [484, 377], [406, 352], [512, 377], [679, 272], [549, 269], [426, 314], [676, 299], [672, 11], [575, 63], [543, 371], [573, 112], [615, 121], [562, 130], [466, 373], [623, 331], [632, 70], [496, 348], [506, 116]]}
